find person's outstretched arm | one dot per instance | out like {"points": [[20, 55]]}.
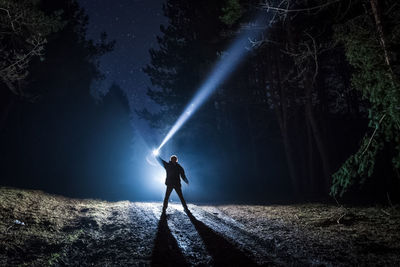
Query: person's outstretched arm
{"points": [[161, 161], [183, 175]]}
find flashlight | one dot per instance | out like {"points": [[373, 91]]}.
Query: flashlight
{"points": [[156, 152]]}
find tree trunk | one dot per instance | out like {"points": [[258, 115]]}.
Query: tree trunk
{"points": [[290, 161], [282, 116], [252, 141], [379, 29], [317, 133], [8, 105], [311, 177]]}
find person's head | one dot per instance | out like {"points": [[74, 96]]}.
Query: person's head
{"points": [[174, 159]]}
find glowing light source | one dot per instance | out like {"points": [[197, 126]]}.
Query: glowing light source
{"points": [[221, 71], [156, 152]]}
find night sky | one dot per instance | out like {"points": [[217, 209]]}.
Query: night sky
{"points": [[134, 24]]}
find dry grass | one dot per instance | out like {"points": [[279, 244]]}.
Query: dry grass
{"points": [[326, 234], [53, 225], [63, 231]]}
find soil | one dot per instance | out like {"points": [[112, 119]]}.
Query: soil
{"points": [[38, 229]]}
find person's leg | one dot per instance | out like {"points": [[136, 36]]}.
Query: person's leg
{"points": [[178, 190], [167, 194]]}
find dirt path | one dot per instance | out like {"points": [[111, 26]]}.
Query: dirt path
{"points": [[139, 234], [58, 231]]}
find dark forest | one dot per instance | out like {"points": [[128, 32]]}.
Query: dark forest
{"points": [[300, 124]]}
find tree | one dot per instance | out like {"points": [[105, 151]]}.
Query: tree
{"points": [[300, 68], [51, 143], [187, 51], [292, 63], [24, 30], [47, 23], [372, 44]]}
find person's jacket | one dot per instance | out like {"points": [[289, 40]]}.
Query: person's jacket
{"points": [[174, 172]]}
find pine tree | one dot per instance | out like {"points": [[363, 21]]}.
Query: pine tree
{"points": [[376, 75]]}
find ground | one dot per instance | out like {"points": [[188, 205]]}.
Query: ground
{"points": [[39, 229]]}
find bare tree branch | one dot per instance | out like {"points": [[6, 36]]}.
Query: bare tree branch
{"points": [[9, 16], [287, 10], [23, 31], [373, 134]]}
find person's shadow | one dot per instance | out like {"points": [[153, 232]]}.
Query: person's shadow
{"points": [[221, 250], [166, 251]]}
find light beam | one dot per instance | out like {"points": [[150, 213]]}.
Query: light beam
{"points": [[221, 71]]}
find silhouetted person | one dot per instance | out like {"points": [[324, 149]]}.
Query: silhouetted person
{"points": [[173, 180]]}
